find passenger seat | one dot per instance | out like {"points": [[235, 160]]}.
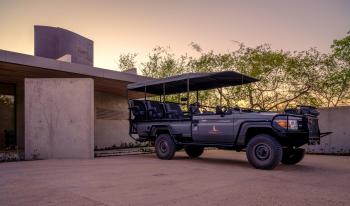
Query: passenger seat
{"points": [[155, 110], [173, 111], [138, 109]]}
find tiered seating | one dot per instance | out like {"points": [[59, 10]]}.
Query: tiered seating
{"points": [[138, 109], [153, 110], [173, 111]]}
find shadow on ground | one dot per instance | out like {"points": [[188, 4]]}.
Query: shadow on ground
{"points": [[235, 162]]}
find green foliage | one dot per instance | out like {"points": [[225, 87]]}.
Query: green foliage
{"points": [[339, 79], [161, 63], [196, 47], [341, 49], [127, 61], [286, 78], [7, 100]]}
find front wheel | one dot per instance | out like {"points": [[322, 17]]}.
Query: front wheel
{"points": [[292, 156], [165, 147], [264, 152], [194, 151]]}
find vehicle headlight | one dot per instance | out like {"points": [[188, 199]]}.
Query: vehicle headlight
{"points": [[292, 123]]}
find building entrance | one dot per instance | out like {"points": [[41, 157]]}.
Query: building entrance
{"points": [[7, 117]]}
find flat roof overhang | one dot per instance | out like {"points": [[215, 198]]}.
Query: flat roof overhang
{"points": [[14, 67]]}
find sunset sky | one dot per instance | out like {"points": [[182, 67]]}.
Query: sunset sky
{"points": [[137, 26]]}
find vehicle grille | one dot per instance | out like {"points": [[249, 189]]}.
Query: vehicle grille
{"points": [[314, 132]]}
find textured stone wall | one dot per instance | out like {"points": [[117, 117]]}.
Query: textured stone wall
{"points": [[111, 124], [59, 118], [336, 120]]}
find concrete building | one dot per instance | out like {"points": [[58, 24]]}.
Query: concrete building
{"points": [[58, 43], [51, 108]]}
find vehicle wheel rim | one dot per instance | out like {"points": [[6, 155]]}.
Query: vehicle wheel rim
{"points": [[163, 146], [262, 151]]}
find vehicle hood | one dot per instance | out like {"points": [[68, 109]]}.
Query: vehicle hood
{"points": [[258, 115]]}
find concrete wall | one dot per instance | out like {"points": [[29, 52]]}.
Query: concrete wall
{"points": [[336, 120], [53, 42], [59, 118], [20, 114], [111, 124]]}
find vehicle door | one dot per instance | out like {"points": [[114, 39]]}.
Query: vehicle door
{"points": [[213, 128]]}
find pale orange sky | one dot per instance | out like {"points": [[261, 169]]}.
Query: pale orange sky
{"points": [[137, 26]]}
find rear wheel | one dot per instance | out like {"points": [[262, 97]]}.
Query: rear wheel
{"points": [[194, 151], [264, 152], [292, 156], [165, 147]]}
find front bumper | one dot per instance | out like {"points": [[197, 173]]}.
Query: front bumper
{"points": [[295, 139], [308, 132], [314, 131]]}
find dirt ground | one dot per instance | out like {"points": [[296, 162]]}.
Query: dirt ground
{"points": [[217, 178]]}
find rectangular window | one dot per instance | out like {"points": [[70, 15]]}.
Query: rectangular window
{"points": [[7, 117]]}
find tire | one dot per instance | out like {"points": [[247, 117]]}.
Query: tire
{"points": [[264, 152], [178, 148], [292, 157], [194, 151], [165, 147]]}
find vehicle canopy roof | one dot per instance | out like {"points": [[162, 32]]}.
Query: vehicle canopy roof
{"points": [[191, 82]]}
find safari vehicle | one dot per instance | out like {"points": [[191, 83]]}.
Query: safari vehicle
{"points": [[267, 137]]}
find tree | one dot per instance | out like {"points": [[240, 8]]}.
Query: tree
{"points": [[340, 76], [6, 100], [286, 78], [341, 49], [127, 61], [162, 63]]}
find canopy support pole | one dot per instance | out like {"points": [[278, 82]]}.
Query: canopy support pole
{"points": [[163, 93], [188, 93], [221, 97], [146, 104]]}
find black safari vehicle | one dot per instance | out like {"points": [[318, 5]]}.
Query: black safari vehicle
{"points": [[268, 138]]}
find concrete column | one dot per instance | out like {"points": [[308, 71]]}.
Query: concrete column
{"points": [[20, 114], [59, 118]]}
